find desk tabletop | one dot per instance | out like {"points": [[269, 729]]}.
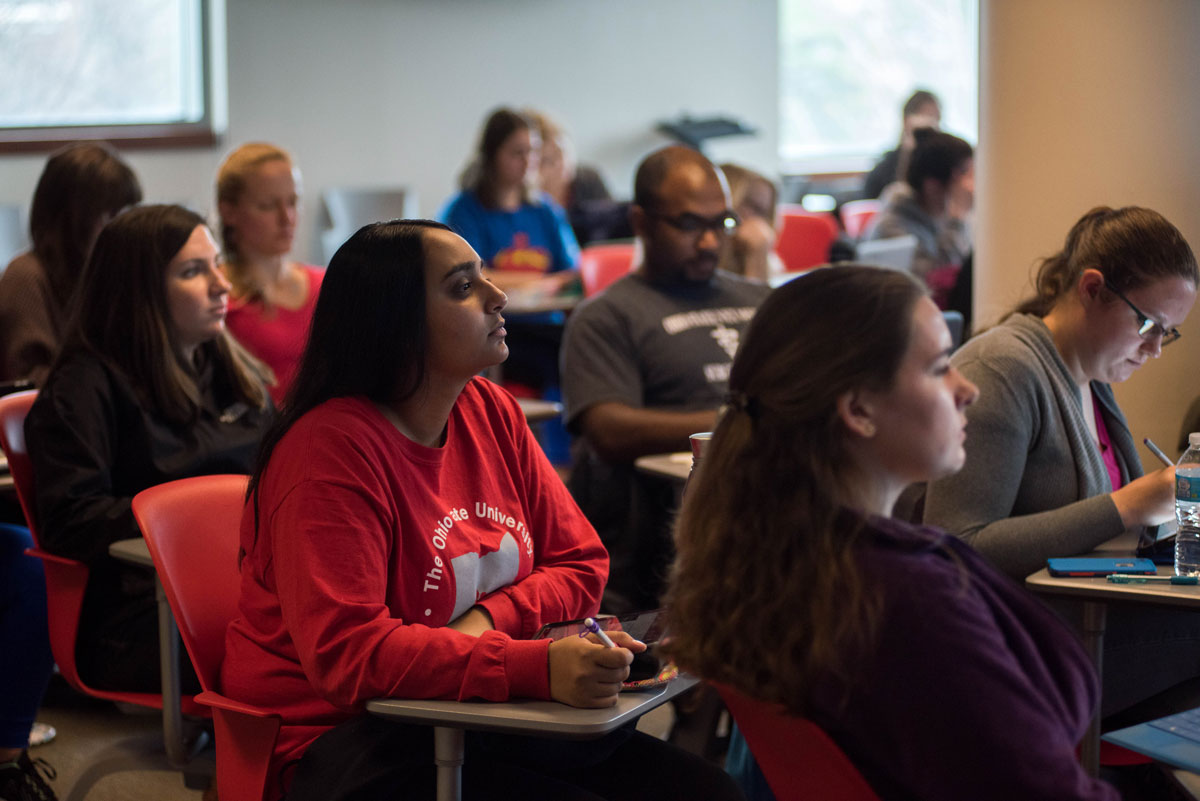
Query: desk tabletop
{"points": [[537, 410], [548, 718], [1101, 589], [133, 550], [666, 465]]}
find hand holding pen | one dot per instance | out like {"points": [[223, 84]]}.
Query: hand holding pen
{"points": [[584, 673]]}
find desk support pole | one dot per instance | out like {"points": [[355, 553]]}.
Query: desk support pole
{"points": [[168, 656], [448, 751], [1095, 618]]}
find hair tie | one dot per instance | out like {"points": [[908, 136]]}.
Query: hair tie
{"points": [[741, 402]]}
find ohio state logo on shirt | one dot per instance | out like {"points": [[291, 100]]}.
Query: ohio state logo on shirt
{"points": [[476, 551]]}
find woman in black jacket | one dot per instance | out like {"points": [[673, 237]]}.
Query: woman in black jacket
{"points": [[148, 388]]}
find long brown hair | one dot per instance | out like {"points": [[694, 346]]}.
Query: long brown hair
{"points": [[1131, 246], [765, 593], [480, 175], [81, 187], [121, 316]]}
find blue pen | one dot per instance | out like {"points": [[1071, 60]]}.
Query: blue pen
{"points": [[1118, 578], [591, 625], [1157, 451]]}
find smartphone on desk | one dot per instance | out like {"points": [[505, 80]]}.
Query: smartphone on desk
{"points": [[1100, 566], [648, 627]]}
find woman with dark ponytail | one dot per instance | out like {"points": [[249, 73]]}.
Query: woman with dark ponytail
{"points": [[1052, 468]]}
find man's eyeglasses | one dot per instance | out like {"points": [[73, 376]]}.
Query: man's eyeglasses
{"points": [[721, 225], [1147, 329]]}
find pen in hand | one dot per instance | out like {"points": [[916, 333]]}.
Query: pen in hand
{"points": [[591, 625], [1157, 451]]}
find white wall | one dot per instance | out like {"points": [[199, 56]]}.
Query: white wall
{"points": [[1083, 103], [379, 92]]}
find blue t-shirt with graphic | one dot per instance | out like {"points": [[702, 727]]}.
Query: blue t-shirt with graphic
{"points": [[534, 238]]}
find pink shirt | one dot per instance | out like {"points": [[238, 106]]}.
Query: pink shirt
{"points": [[277, 336], [1107, 452]]}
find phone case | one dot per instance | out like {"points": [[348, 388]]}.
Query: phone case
{"points": [[1100, 566]]}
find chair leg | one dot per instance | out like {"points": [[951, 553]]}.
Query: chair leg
{"points": [[448, 749]]}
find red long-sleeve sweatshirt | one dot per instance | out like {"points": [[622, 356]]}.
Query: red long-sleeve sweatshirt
{"points": [[369, 544]]}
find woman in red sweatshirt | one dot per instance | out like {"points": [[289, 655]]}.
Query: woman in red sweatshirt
{"points": [[405, 536]]}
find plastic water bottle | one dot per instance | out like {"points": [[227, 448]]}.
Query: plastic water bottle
{"points": [[1187, 509]]}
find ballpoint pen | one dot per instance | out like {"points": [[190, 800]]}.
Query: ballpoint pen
{"points": [[591, 625], [1118, 578], [1157, 451]]}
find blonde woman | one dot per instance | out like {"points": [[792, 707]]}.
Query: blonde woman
{"points": [[258, 198]]}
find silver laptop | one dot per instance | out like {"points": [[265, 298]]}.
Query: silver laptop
{"points": [[895, 253]]}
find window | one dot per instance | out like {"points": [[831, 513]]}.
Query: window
{"points": [[846, 69], [131, 71]]}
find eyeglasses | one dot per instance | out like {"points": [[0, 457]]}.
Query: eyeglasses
{"points": [[693, 224], [1147, 329]]}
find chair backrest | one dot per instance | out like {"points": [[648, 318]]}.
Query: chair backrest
{"points": [[346, 209], [191, 527], [797, 758], [857, 214], [804, 237], [13, 410], [600, 265], [13, 237]]}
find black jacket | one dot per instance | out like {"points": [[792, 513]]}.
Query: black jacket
{"points": [[94, 444]]}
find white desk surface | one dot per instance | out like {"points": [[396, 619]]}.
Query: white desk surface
{"points": [[133, 551], [537, 411], [676, 466], [546, 718]]}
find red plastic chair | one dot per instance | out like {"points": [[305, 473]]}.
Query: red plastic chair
{"points": [[600, 265], [191, 527], [66, 580], [856, 215], [797, 758], [804, 238]]}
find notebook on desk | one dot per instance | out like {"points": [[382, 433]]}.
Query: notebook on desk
{"points": [[1174, 739]]}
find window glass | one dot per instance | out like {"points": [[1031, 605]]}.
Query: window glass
{"points": [[101, 63], [846, 69]]}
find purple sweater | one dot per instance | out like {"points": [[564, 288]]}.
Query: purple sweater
{"points": [[974, 688]]}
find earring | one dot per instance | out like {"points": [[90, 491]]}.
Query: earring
{"points": [[868, 429]]}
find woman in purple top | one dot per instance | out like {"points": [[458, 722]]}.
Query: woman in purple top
{"points": [[935, 674]]}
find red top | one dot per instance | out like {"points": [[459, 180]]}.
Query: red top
{"points": [[1107, 452], [277, 336], [369, 544]]}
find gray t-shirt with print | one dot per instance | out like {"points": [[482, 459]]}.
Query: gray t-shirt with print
{"points": [[648, 347]]}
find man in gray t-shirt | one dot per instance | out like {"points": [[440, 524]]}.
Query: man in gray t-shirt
{"points": [[646, 364]]}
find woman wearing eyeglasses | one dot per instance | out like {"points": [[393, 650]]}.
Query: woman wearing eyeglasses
{"points": [[1052, 468]]}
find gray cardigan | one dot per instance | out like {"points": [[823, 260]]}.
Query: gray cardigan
{"points": [[1034, 484]]}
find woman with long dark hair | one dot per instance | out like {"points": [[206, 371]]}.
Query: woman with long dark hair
{"points": [[404, 536], [938, 677], [932, 204], [148, 388], [520, 233], [81, 188]]}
